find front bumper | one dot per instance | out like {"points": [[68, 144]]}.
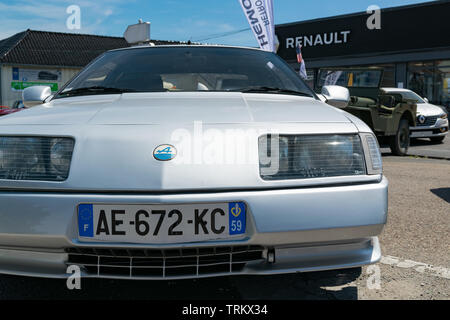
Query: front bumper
{"points": [[307, 229]]}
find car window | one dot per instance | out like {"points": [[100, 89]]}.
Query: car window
{"points": [[410, 95], [188, 69]]}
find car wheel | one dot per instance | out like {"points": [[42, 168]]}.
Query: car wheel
{"points": [[437, 139], [400, 142]]}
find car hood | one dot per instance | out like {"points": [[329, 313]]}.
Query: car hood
{"points": [[170, 107], [215, 134], [428, 109]]}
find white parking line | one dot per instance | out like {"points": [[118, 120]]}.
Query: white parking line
{"points": [[440, 272]]}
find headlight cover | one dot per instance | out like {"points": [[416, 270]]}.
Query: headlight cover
{"points": [[61, 155], [310, 156], [373, 154], [35, 158]]}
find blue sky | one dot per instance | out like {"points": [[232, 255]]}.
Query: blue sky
{"points": [[171, 19]]}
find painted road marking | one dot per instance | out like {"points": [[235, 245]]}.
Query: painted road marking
{"points": [[425, 268]]}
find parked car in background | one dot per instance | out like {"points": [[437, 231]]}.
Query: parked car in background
{"points": [[5, 110], [432, 121], [389, 116], [236, 168], [17, 106]]}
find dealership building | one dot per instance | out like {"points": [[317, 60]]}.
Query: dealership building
{"points": [[412, 45], [48, 58]]}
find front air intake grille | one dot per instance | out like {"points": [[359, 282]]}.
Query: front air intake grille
{"points": [[189, 262], [429, 121]]}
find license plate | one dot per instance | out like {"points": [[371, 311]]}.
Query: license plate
{"points": [[418, 134], [161, 223]]}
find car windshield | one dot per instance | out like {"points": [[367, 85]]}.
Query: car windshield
{"points": [[410, 95], [186, 68]]}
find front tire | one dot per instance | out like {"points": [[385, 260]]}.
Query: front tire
{"points": [[437, 139], [400, 142]]}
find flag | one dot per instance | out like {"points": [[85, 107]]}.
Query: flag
{"points": [[259, 14], [300, 60]]}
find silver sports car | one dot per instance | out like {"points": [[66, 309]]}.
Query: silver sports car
{"points": [[187, 161]]}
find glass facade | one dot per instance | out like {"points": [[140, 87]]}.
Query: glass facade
{"points": [[388, 79], [442, 78], [388, 75], [430, 80]]}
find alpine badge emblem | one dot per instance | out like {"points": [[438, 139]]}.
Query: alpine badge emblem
{"points": [[164, 152]]}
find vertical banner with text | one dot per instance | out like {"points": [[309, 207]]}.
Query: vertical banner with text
{"points": [[259, 14]]}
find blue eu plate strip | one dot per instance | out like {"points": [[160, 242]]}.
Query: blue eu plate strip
{"points": [[86, 220], [237, 214]]}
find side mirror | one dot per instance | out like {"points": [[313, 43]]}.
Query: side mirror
{"points": [[426, 100], [336, 96], [35, 95]]}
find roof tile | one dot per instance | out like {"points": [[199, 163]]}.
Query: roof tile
{"points": [[58, 49]]}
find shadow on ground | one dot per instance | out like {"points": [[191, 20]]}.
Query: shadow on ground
{"points": [[283, 287], [443, 193], [415, 142]]}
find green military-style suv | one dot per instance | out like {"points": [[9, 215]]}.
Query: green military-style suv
{"points": [[388, 115]]}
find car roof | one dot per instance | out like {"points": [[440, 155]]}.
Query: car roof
{"points": [[395, 89], [147, 46]]}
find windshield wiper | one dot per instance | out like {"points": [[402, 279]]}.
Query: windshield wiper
{"points": [[264, 89], [94, 90]]}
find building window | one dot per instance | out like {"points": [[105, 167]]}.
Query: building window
{"points": [[388, 80], [431, 80], [442, 82], [421, 78]]}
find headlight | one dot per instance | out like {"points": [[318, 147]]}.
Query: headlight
{"points": [[310, 156], [444, 116], [61, 155], [35, 158]]}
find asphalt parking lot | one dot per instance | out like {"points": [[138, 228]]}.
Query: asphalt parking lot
{"points": [[426, 148], [415, 245]]}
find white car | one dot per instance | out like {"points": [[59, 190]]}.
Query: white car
{"points": [[432, 120], [236, 167]]}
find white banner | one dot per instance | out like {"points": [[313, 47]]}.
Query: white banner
{"points": [[259, 15], [332, 78]]}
